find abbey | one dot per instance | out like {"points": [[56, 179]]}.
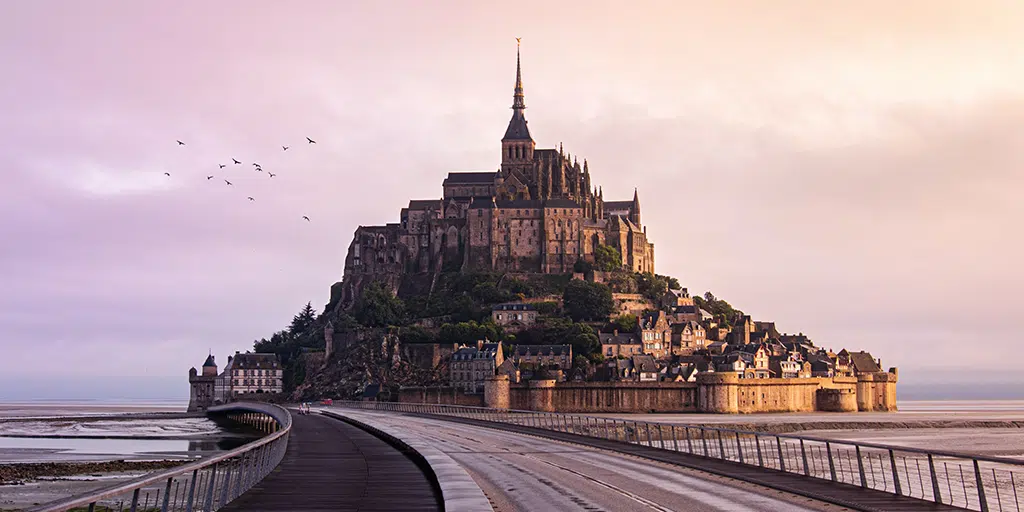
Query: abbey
{"points": [[538, 213]]}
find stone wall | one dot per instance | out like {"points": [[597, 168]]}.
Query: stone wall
{"points": [[722, 393]]}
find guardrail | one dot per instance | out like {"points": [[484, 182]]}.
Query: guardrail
{"points": [[205, 485], [963, 480]]}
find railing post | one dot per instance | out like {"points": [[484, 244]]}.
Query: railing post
{"points": [[135, 501], [191, 491], [860, 468], [782, 460], [704, 439], [647, 431], [675, 440], [209, 490], [689, 440], [803, 455], [739, 448], [981, 486], [895, 472], [831, 463], [936, 493], [229, 470], [167, 495], [757, 444], [721, 446]]}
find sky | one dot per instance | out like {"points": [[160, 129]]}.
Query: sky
{"points": [[849, 170]]}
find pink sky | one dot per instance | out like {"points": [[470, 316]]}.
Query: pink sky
{"points": [[848, 170]]}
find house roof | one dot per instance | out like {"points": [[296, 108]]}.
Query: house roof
{"points": [[514, 306], [543, 350], [617, 205], [863, 362], [622, 338], [645, 363], [681, 326], [517, 128], [257, 360], [470, 178], [209, 361], [425, 204]]}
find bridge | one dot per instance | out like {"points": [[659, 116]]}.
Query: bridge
{"points": [[372, 456]]}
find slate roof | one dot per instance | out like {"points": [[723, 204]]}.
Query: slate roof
{"points": [[513, 306], [425, 204], [254, 361], [618, 205], [645, 363], [209, 361], [517, 129], [623, 338], [862, 362], [455, 178], [544, 350]]}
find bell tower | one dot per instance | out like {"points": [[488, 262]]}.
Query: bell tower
{"points": [[517, 145]]}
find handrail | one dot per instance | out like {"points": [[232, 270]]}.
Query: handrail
{"points": [[975, 482], [256, 458]]}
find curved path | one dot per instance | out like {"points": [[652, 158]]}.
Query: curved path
{"points": [[520, 472], [331, 465]]}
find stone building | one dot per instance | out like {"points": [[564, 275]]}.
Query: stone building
{"points": [[514, 315], [617, 344], [537, 356], [471, 366], [202, 386], [256, 373], [539, 212]]}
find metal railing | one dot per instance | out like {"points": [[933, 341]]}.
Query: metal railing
{"points": [[205, 485], [958, 479]]}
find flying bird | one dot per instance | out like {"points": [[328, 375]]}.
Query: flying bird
{"points": [[271, 174], [251, 199], [236, 161], [255, 164], [221, 166], [260, 169], [285, 148], [307, 218], [167, 174], [180, 143], [209, 177], [311, 141], [228, 182]]}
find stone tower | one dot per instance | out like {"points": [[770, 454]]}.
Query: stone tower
{"points": [[517, 145], [209, 367], [634, 212], [328, 341]]}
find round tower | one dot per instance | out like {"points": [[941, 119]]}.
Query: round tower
{"points": [[210, 367]]}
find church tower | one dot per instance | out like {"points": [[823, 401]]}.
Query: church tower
{"points": [[634, 211], [517, 146]]}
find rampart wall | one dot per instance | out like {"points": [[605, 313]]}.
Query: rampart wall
{"points": [[722, 393]]}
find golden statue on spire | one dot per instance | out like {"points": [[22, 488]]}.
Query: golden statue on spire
{"points": [[517, 40]]}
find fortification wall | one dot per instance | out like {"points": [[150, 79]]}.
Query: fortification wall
{"points": [[723, 393]]}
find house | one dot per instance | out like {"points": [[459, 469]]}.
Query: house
{"points": [[785, 367], [471, 366], [673, 298], [656, 334], [717, 347], [646, 368], [256, 373], [759, 355], [688, 337], [620, 344], [514, 315], [821, 367], [686, 313], [543, 356], [509, 368], [615, 370]]}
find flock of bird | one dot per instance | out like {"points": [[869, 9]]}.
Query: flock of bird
{"points": [[257, 167]]}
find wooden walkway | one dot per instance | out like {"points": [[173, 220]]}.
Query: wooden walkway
{"points": [[846, 495], [331, 465]]}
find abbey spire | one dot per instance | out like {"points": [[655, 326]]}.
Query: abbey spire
{"points": [[517, 129]]}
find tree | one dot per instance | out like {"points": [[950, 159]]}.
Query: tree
{"points": [[625, 323], [582, 266], [303, 320], [607, 258], [652, 286], [378, 307], [587, 301]]}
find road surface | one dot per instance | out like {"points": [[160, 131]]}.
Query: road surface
{"points": [[524, 473]]}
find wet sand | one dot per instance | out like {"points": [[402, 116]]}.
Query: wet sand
{"points": [[10, 411]]}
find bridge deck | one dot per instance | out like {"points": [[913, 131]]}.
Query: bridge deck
{"points": [[847, 495], [331, 465]]}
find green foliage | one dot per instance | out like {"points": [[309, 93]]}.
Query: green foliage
{"points": [[622, 282], [377, 307], [673, 283], [723, 312], [652, 286], [625, 323], [587, 301], [415, 334], [470, 332], [607, 258], [302, 321], [582, 266], [546, 308]]}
